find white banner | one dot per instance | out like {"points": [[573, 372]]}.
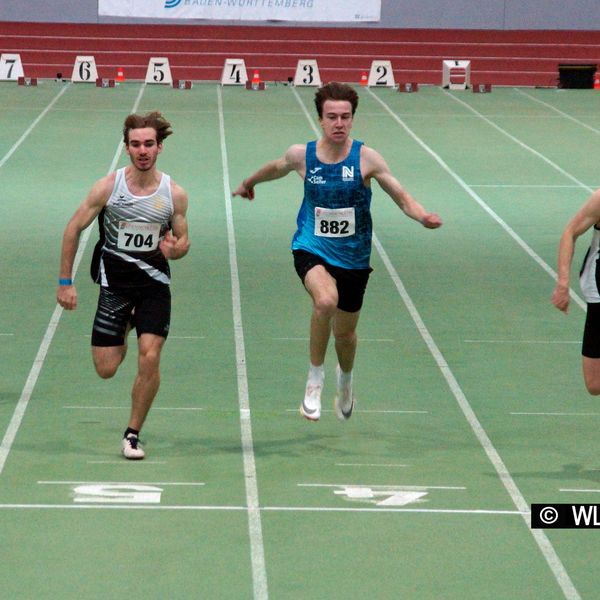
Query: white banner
{"points": [[246, 10]]}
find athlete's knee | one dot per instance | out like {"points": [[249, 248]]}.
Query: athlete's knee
{"points": [[326, 305], [106, 370], [591, 375], [345, 337], [107, 361], [593, 387], [149, 360]]}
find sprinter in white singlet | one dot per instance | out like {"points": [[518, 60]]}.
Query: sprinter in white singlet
{"points": [[588, 217], [142, 223]]}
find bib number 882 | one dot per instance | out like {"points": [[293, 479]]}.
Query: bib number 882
{"points": [[334, 227], [334, 222]]}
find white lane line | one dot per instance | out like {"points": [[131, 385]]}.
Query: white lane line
{"points": [[259, 571], [374, 465], [523, 145], [373, 411], [124, 462], [521, 185], [416, 488], [554, 414], [305, 339], [164, 483], [583, 491], [522, 341], [169, 408], [175, 507], [33, 125], [556, 110], [544, 544], [38, 363], [545, 266]]}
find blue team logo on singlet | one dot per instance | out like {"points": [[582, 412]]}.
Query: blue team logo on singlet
{"points": [[172, 3], [347, 173]]}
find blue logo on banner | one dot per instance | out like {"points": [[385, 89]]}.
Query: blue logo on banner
{"points": [[172, 3]]}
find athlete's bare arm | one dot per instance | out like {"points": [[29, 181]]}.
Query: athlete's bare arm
{"points": [[373, 165], [587, 216], [88, 210], [293, 160], [176, 243]]}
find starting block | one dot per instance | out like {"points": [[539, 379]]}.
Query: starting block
{"points": [[105, 83], [408, 87], [27, 81], [260, 85], [182, 84], [482, 88]]}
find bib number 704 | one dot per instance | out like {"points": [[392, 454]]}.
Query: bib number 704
{"points": [[138, 237]]}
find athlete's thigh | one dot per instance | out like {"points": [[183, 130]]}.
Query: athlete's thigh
{"points": [[108, 358], [153, 311], [320, 284]]}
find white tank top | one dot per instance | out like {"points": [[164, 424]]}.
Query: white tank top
{"points": [[132, 227], [587, 276]]}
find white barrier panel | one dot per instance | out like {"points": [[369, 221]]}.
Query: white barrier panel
{"points": [[381, 74], [11, 67], [84, 70], [159, 71], [456, 74], [246, 10], [307, 73], [234, 72]]}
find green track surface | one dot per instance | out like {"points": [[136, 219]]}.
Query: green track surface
{"points": [[333, 517]]}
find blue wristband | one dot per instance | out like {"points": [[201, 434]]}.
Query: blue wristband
{"points": [[65, 282]]}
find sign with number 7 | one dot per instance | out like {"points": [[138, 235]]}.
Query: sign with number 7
{"points": [[11, 67]]}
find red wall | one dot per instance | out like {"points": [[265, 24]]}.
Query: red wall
{"points": [[198, 52]]}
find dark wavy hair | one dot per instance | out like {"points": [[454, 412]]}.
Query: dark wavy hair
{"points": [[152, 119], [335, 91]]}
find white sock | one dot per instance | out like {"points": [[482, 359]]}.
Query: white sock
{"points": [[316, 375], [344, 379]]}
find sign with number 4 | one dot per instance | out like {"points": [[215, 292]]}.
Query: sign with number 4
{"points": [[234, 72], [159, 71], [11, 67]]}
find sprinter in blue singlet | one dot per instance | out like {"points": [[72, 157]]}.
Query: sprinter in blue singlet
{"points": [[332, 244]]}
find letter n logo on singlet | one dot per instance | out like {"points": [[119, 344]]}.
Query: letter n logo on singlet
{"points": [[347, 173]]}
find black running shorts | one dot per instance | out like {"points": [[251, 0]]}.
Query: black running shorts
{"points": [[147, 308], [591, 332], [351, 283]]}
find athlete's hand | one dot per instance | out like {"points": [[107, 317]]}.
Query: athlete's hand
{"points": [[66, 296], [431, 221], [173, 247], [244, 191], [560, 298]]}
